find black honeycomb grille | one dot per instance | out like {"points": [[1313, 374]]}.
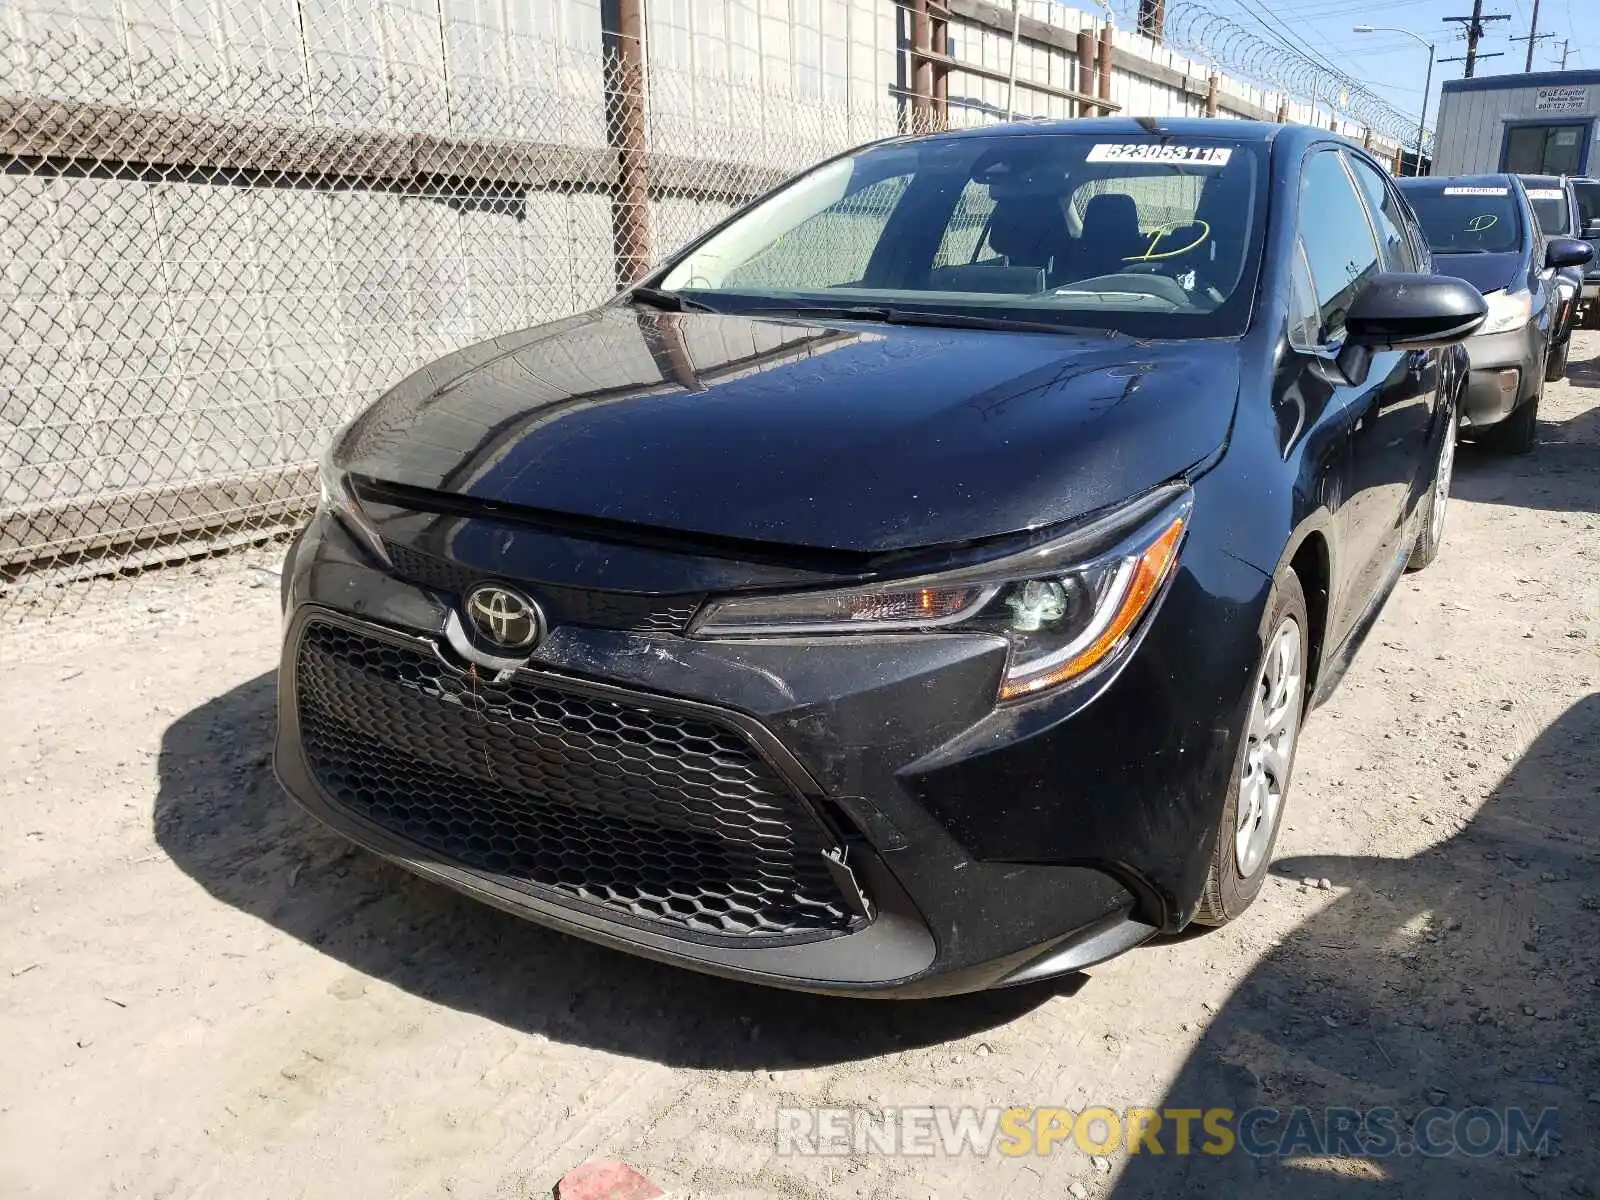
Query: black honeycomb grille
{"points": [[563, 605], [664, 817]]}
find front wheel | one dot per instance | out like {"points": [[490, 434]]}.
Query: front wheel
{"points": [[1518, 433], [1253, 810], [1431, 535], [1555, 367]]}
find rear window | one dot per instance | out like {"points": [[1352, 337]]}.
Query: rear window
{"points": [[1466, 218]]}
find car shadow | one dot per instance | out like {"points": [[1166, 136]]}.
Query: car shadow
{"points": [[1584, 373], [1561, 475], [223, 819], [1463, 976]]}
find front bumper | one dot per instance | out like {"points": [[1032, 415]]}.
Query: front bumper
{"points": [[992, 846], [1505, 370]]}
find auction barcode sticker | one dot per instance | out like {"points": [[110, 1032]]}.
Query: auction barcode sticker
{"points": [[1477, 191], [1545, 194], [1196, 156]]}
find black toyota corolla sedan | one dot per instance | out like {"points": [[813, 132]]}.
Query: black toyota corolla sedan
{"points": [[917, 584]]}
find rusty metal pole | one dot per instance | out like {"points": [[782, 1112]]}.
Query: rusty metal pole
{"points": [[1085, 71], [1153, 19], [1011, 81], [921, 67], [625, 131], [1107, 52], [1283, 112], [940, 41], [1211, 95]]}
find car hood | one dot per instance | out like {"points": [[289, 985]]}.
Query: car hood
{"points": [[1486, 272], [842, 436]]}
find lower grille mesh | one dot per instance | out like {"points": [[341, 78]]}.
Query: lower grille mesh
{"points": [[664, 817]]}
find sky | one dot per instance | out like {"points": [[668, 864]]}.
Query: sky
{"points": [[1393, 65]]}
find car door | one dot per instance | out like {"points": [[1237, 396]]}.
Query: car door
{"points": [[1377, 413], [1403, 419]]}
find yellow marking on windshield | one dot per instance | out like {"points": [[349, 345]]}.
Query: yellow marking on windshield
{"points": [[1162, 231]]}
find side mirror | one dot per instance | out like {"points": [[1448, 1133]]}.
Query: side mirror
{"points": [[1406, 312], [1413, 312], [1567, 252]]}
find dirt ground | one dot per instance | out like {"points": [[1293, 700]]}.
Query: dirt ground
{"points": [[202, 993]]}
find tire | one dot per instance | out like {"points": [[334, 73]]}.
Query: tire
{"points": [[1430, 537], [1555, 367], [1518, 433], [1240, 860]]}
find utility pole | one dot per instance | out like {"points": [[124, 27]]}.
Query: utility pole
{"points": [[1566, 49], [1475, 30], [1533, 39]]}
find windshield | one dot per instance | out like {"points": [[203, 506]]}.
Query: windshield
{"points": [[1466, 219], [1151, 236], [1550, 206]]}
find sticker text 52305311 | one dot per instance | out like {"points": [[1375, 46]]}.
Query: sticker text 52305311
{"points": [[1153, 152]]}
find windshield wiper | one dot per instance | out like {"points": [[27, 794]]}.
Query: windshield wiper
{"points": [[667, 301], [903, 316]]}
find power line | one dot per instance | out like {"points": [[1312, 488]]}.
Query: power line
{"points": [[1533, 37]]}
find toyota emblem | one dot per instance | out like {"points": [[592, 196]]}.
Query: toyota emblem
{"points": [[504, 619]]}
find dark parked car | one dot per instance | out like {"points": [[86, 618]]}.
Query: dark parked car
{"points": [[1587, 193], [1555, 204], [917, 584], [1482, 229]]}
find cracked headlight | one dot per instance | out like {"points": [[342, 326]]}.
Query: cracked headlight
{"points": [[1066, 608]]}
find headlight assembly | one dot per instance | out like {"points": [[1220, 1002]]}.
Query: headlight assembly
{"points": [[1507, 311], [1066, 608]]}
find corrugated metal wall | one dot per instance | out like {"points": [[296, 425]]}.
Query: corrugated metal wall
{"points": [[1472, 124]]}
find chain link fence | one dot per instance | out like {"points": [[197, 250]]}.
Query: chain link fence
{"points": [[227, 225]]}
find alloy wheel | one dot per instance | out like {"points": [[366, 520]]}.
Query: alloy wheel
{"points": [[1441, 484], [1269, 752]]}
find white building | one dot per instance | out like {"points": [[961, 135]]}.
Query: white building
{"points": [[1544, 123]]}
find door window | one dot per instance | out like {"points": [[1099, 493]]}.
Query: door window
{"points": [[1545, 149], [1339, 244], [1389, 217], [1588, 203]]}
